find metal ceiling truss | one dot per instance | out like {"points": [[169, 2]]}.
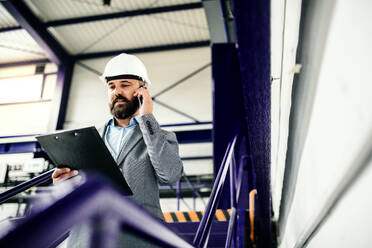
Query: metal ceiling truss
{"points": [[22, 63], [160, 48], [116, 52], [123, 14], [181, 80]]}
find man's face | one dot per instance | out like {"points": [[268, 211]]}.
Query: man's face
{"points": [[122, 103]]}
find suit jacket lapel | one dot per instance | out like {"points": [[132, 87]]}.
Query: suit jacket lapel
{"points": [[132, 140], [102, 131]]}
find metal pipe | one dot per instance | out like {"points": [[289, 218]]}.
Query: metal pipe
{"points": [[194, 191], [178, 192], [233, 202], [231, 229]]}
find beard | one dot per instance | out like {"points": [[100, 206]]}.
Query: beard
{"points": [[123, 110]]}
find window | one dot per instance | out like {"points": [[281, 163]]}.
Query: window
{"points": [[27, 84], [21, 89], [26, 94]]}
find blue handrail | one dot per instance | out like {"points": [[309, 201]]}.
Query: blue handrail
{"points": [[204, 228], [92, 199], [26, 185]]}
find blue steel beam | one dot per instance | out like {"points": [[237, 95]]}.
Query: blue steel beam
{"points": [[186, 124], [160, 48], [197, 158], [27, 20], [195, 136], [183, 137], [228, 104]]}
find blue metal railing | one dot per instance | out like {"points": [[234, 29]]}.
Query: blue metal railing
{"points": [[26, 185], [238, 190], [91, 200], [204, 229]]}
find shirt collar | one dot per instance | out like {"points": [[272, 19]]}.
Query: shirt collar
{"points": [[133, 121]]}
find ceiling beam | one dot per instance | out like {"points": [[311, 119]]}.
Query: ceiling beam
{"points": [[194, 136], [143, 50], [123, 14], [28, 21], [22, 63], [7, 29]]}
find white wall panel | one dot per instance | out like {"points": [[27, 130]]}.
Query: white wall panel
{"points": [[340, 123], [285, 21], [350, 223]]}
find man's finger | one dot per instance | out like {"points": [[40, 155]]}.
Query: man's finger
{"points": [[60, 171], [146, 94], [65, 176]]}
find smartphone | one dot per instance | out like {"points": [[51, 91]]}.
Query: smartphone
{"points": [[140, 99]]}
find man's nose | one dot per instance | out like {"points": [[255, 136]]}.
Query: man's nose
{"points": [[116, 92]]}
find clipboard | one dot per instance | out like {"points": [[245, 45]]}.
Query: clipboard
{"points": [[83, 149]]}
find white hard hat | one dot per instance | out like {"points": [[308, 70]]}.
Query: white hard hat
{"points": [[125, 66]]}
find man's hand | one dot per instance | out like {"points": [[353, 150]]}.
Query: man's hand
{"points": [[62, 173], [147, 104]]}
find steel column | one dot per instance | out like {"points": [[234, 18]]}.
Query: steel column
{"points": [[227, 104], [253, 36]]}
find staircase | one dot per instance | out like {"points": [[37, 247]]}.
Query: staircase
{"points": [[187, 231]]}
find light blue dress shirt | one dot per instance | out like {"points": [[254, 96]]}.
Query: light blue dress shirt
{"points": [[116, 136]]}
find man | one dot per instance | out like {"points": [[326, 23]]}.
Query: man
{"points": [[145, 153]]}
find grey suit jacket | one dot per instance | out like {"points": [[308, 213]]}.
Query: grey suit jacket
{"points": [[150, 155]]}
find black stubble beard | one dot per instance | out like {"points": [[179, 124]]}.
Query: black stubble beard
{"points": [[124, 110]]}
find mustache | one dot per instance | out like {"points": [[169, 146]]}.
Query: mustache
{"points": [[120, 97]]}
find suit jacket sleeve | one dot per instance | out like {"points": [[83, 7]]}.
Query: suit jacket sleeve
{"points": [[162, 147]]}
